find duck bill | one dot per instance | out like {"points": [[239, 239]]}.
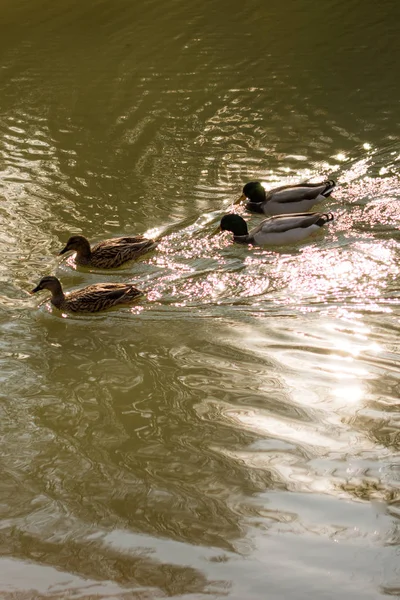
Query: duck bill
{"points": [[239, 200], [63, 251], [36, 289]]}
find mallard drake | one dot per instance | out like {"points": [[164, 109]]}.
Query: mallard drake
{"points": [[89, 299], [275, 231], [108, 254], [285, 199]]}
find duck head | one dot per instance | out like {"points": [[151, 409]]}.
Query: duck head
{"points": [[78, 243], [234, 223], [254, 191], [48, 283]]}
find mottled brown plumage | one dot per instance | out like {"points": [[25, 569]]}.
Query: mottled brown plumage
{"points": [[93, 298], [108, 254]]}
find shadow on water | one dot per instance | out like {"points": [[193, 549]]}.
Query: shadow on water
{"points": [[237, 429]]}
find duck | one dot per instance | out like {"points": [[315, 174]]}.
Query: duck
{"points": [[108, 254], [298, 198], [277, 230], [92, 298]]}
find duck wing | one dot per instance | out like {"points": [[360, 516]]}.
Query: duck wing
{"points": [[301, 191], [122, 241], [282, 223], [101, 296], [114, 252]]}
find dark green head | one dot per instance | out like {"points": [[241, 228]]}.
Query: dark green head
{"points": [[234, 223], [77, 243], [254, 191], [48, 283]]}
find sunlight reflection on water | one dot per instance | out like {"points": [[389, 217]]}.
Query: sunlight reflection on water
{"points": [[235, 433]]}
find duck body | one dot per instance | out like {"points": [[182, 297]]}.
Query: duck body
{"points": [[108, 254], [93, 298], [287, 199], [278, 230]]}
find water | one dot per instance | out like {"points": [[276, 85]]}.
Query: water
{"points": [[236, 433]]}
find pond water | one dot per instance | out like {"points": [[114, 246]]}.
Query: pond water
{"points": [[235, 434]]}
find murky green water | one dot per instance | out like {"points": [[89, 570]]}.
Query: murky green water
{"points": [[235, 434]]}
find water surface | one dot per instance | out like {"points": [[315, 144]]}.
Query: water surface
{"points": [[236, 433]]}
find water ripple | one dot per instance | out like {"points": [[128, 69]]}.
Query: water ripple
{"points": [[247, 407]]}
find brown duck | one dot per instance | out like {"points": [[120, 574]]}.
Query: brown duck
{"points": [[108, 254], [93, 298]]}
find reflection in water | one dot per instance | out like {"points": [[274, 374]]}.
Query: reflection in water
{"points": [[239, 424]]}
